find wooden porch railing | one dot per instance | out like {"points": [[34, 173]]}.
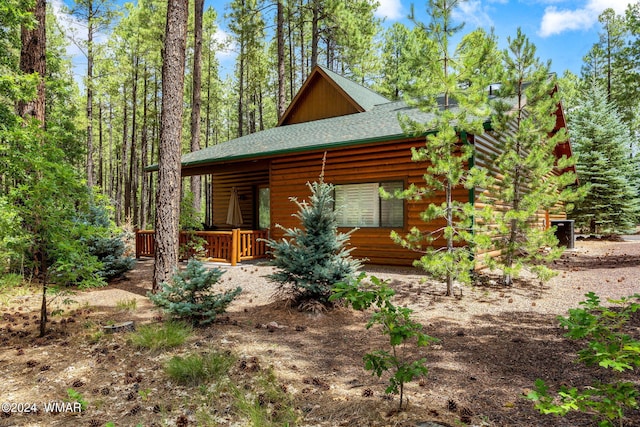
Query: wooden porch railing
{"points": [[222, 246]]}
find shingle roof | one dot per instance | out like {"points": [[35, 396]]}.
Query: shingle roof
{"points": [[378, 124], [363, 96]]}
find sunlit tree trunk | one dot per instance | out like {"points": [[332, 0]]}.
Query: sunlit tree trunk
{"points": [[196, 102], [168, 196]]}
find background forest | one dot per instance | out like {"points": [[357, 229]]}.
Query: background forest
{"points": [[95, 137]]}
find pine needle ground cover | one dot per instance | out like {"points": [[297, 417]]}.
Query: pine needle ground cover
{"points": [[307, 369]]}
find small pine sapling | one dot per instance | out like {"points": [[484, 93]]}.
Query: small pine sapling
{"points": [[523, 123], [456, 102], [396, 323], [312, 259], [190, 294]]}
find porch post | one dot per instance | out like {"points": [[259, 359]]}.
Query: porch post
{"points": [[235, 241], [138, 244]]}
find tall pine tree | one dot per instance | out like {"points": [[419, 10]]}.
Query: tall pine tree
{"points": [[604, 166]]}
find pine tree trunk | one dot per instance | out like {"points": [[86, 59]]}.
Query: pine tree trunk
{"points": [[450, 247], [112, 156], [90, 99], [292, 74], [303, 74], [132, 190], [282, 102], [241, 66], [144, 158], [314, 33], [196, 104], [100, 147], [33, 60], [123, 180], [168, 197]]}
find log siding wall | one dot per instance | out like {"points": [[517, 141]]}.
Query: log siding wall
{"points": [[368, 163]]}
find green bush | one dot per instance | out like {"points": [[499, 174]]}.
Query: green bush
{"points": [[197, 369], [160, 336], [312, 259], [609, 347], [190, 295], [105, 242], [395, 322]]}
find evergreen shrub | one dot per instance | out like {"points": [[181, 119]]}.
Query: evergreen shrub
{"points": [[190, 294], [311, 259]]}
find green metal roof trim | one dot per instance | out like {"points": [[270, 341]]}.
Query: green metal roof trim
{"points": [[379, 124], [363, 96]]}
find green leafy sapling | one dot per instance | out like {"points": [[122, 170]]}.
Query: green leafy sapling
{"points": [[190, 294], [609, 347], [395, 322]]}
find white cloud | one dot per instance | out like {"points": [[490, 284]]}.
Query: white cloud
{"points": [[473, 13], [556, 21], [72, 27], [225, 45], [389, 9]]}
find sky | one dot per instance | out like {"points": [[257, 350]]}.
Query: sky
{"points": [[562, 30]]}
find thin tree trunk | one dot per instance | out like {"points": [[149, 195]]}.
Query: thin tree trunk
{"points": [[122, 167], [111, 159], [207, 136], [196, 104], [90, 96], [132, 191], [292, 54], [302, 58], [144, 156], [154, 143], [282, 102], [43, 304], [450, 247], [260, 109], [168, 197], [100, 148], [314, 32]]}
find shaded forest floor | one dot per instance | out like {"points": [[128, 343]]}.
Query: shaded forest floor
{"points": [[494, 343]]}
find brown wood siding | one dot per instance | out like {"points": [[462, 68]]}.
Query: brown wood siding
{"points": [[245, 177], [370, 163], [320, 100], [486, 148]]}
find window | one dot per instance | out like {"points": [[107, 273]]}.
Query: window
{"points": [[360, 205]]}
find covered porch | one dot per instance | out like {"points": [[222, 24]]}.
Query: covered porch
{"points": [[237, 214], [232, 246]]}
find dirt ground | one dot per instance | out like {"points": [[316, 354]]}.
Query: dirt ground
{"points": [[493, 344]]}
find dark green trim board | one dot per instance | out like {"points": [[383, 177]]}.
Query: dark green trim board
{"points": [[472, 190]]}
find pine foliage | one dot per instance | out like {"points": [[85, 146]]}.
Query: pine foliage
{"points": [[455, 97], [524, 120], [312, 259], [190, 294], [105, 243], [604, 166]]}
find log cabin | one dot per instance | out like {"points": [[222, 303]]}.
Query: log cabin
{"points": [[365, 147]]}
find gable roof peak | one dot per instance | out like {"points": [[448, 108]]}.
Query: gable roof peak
{"points": [[326, 86]]}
